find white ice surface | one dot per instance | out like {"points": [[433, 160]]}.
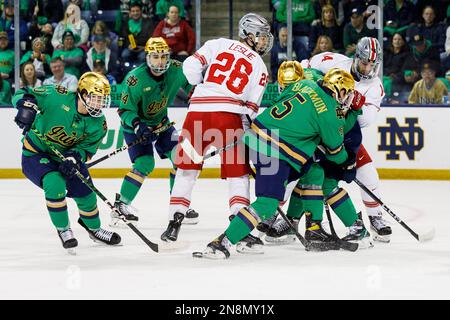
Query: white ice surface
{"points": [[33, 264]]}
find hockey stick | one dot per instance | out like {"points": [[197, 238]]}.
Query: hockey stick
{"points": [[125, 147], [152, 245], [346, 245], [196, 157], [421, 238]]}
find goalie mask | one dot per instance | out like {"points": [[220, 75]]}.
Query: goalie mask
{"points": [[158, 55], [256, 25], [289, 72], [342, 85], [96, 89], [367, 60]]}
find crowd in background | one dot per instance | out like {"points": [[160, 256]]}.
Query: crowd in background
{"points": [[61, 39]]}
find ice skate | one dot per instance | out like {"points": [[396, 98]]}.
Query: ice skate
{"points": [[171, 233], [101, 235], [191, 217], [216, 249], [125, 210], [358, 233], [280, 233], [381, 229], [68, 240], [250, 245], [316, 234]]}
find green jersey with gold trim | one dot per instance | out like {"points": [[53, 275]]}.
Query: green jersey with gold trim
{"points": [[146, 97], [301, 118], [60, 122]]}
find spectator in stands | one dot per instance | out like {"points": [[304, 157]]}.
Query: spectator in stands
{"points": [[73, 57], [136, 30], [430, 29], [302, 16], [60, 77], [38, 58], [445, 56], [327, 26], [278, 54], [99, 66], [7, 24], [178, 34], [319, 4], [100, 51], [101, 29], [428, 90], [324, 44], [398, 15], [394, 64], [40, 28], [355, 30], [163, 6], [5, 93], [53, 10], [72, 21], [6, 57], [28, 76], [421, 52]]}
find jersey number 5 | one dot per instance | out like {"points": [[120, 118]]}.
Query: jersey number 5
{"points": [[280, 114], [238, 78]]}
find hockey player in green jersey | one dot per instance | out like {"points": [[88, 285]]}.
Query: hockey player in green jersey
{"points": [[149, 90], [336, 197], [73, 122], [282, 140]]}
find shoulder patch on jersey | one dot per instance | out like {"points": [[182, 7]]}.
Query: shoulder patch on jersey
{"points": [[176, 63], [61, 89], [132, 81]]}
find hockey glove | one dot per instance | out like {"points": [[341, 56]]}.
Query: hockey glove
{"points": [[345, 171], [72, 163], [26, 112], [358, 100], [143, 131]]}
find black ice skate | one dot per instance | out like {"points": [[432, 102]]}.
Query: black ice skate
{"points": [[358, 233], [266, 224], [216, 249], [171, 233], [191, 217], [250, 245], [281, 233], [68, 240], [382, 231], [316, 234], [125, 210], [101, 235]]}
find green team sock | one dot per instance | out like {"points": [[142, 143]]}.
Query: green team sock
{"points": [[54, 187], [248, 218], [134, 179], [339, 201], [295, 208], [343, 206], [88, 210]]}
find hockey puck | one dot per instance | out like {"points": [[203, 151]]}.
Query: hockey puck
{"points": [[197, 254]]}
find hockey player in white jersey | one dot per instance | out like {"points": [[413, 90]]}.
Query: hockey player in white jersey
{"points": [[369, 92], [230, 78]]}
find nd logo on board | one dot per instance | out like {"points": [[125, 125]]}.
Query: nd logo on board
{"points": [[396, 138]]}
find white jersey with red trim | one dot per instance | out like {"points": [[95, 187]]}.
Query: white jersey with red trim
{"points": [[229, 76], [371, 89]]}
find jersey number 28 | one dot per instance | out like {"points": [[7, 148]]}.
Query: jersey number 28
{"points": [[238, 78]]}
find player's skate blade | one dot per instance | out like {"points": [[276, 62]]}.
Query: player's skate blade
{"points": [[280, 241], [101, 235]]}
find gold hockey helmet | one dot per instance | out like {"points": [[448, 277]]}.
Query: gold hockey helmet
{"points": [[97, 90], [289, 72], [158, 55], [341, 83]]}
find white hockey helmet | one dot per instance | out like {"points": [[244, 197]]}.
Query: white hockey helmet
{"points": [[368, 50], [257, 25]]}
